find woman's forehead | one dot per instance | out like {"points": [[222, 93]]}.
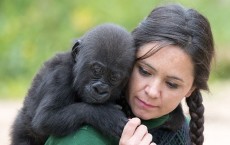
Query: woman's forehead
{"points": [[144, 49], [170, 60], [169, 53]]}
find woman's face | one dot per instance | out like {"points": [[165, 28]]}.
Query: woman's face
{"points": [[159, 82]]}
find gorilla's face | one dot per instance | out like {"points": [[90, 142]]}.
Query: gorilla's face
{"points": [[101, 82], [101, 74], [103, 64]]}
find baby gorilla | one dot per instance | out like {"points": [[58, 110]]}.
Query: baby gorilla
{"points": [[78, 87]]}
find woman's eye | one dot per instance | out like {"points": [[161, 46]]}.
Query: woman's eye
{"points": [[172, 85], [143, 71]]}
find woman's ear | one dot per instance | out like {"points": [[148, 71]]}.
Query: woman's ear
{"points": [[190, 91]]}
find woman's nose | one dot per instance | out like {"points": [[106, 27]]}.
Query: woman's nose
{"points": [[153, 89]]}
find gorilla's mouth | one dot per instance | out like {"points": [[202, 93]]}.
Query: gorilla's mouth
{"points": [[95, 96]]}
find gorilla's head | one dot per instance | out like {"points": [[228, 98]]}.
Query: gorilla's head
{"points": [[104, 58]]}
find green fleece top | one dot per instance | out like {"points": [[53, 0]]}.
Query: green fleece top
{"points": [[87, 135]]}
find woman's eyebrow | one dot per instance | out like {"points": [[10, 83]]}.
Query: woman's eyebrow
{"points": [[176, 78], [151, 67], [170, 77]]}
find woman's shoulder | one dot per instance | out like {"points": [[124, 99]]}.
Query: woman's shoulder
{"points": [[86, 135], [175, 131], [164, 135]]}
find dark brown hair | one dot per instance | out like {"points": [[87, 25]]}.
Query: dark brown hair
{"points": [[188, 29]]}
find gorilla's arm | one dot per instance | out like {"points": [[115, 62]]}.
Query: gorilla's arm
{"points": [[62, 121], [59, 114]]}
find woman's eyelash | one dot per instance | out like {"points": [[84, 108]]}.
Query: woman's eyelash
{"points": [[172, 85], [143, 71]]}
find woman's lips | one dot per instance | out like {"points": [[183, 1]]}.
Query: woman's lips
{"points": [[143, 104]]}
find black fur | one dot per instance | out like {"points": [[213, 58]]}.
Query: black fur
{"points": [[68, 92]]}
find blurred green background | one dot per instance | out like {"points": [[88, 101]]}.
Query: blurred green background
{"points": [[31, 31]]}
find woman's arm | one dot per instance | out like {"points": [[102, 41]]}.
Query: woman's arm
{"points": [[135, 134], [86, 135]]}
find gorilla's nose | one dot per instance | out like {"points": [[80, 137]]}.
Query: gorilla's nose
{"points": [[101, 89]]}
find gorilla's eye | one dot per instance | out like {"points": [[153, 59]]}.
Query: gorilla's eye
{"points": [[97, 69], [115, 78]]}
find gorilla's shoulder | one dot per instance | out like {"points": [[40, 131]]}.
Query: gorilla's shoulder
{"points": [[61, 61]]}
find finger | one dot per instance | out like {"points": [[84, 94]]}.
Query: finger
{"points": [[129, 129], [147, 139], [140, 133], [153, 143]]}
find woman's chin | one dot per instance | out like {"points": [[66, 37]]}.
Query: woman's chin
{"points": [[142, 115]]}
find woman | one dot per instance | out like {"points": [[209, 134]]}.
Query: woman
{"points": [[175, 50]]}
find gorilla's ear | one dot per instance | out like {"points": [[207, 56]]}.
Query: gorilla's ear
{"points": [[75, 48]]}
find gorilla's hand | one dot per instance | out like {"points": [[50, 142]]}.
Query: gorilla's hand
{"points": [[107, 118]]}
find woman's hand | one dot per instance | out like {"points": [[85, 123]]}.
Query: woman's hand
{"points": [[135, 134]]}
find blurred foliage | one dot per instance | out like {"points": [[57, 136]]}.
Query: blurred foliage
{"points": [[33, 31]]}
